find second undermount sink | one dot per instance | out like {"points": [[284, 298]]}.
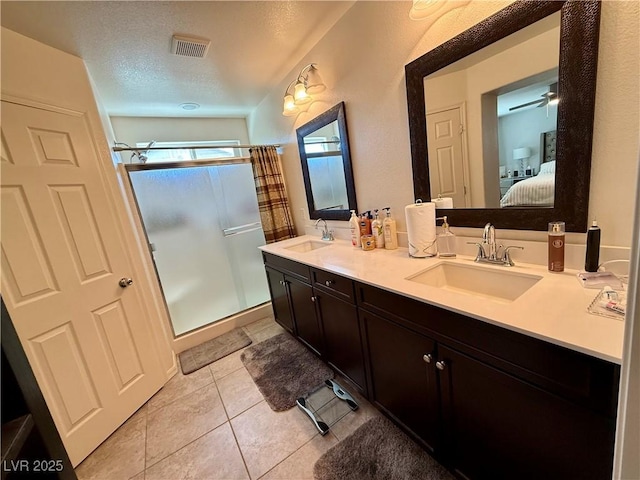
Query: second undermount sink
{"points": [[308, 246], [501, 285]]}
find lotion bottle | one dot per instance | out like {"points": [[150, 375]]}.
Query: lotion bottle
{"points": [[354, 226], [556, 246], [377, 231], [390, 231], [365, 224], [592, 258]]}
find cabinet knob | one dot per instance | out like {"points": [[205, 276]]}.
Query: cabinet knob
{"points": [[441, 365], [328, 283], [313, 299], [427, 358], [282, 282]]}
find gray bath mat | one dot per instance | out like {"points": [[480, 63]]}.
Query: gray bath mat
{"points": [[212, 350], [378, 450], [284, 370]]}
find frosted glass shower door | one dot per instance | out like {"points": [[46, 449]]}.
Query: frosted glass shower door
{"points": [[204, 229]]}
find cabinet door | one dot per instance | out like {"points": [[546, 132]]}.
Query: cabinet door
{"points": [[403, 376], [343, 346], [304, 314], [499, 426], [280, 299]]}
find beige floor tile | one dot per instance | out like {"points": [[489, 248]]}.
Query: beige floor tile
{"points": [[139, 476], [178, 386], [299, 465], [119, 457], [215, 456], [347, 425], [259, 325], [238, 392], [270, 331], [226, 365], [175, 425], [266, 437]]}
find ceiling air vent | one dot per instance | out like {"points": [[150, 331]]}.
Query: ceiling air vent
{"points": [[190, 46]]}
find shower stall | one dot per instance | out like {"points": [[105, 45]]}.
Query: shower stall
{"points": [[203, 227]]}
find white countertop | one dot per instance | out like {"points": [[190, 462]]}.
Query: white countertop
{"points": [[554, 309]]}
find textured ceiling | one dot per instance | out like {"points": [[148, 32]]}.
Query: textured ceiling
{"points": [[126, 46]]}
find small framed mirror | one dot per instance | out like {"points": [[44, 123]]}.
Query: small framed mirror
{"points": [[323, 144]]}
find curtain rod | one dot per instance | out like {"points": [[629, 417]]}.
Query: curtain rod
{"points": [[187, 147]]}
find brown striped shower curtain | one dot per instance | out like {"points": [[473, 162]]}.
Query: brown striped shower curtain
{"points": [[275, 214]]}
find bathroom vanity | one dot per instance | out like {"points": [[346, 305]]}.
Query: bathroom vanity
{"points": [[494, 382]]}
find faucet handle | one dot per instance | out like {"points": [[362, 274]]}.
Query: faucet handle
{"points": [[481, 253], [506, 257]]}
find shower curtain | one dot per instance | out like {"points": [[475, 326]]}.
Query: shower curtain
{"points": [[275, 214]]}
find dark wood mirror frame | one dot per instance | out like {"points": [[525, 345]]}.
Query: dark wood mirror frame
{"points": [[579, 33], [336, 113]]}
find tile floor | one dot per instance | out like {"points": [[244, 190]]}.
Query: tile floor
{"points": [[215, 425]]}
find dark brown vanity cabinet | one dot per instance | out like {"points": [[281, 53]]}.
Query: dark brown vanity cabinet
{"points": [[319, 309], [293, 302], [403, 382], [342, 338], [488, 402], [497, 426]]}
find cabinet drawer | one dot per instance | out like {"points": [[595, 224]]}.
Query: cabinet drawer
{"points": [[339, 286], [296, 269]]}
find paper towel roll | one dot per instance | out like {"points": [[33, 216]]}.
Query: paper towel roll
{"points": [[443, 202], [421, 229]]}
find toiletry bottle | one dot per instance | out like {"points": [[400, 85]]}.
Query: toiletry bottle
{"points": [[390, 231], [446, 241], [592, 258], [354, 226], [365, 224], [556, 246], [377, 230]]}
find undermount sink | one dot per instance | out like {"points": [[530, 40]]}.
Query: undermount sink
{"points": [[501, 285], [308, 246]]}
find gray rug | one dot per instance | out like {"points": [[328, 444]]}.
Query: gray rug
{"points": [[284, 370], [378, 450], [212, 350]]}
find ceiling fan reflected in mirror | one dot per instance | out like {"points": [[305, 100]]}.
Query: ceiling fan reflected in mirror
{"points": [[549, 98]]}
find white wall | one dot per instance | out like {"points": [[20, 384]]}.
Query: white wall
{"points": [[362, 61], [130, 130]]}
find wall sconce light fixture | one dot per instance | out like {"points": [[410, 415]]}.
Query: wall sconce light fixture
{"points": [[308, 82], [427, 8]]}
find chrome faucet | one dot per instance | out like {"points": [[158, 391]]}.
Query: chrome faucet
{"points": [[489, 238], [327, 235]]}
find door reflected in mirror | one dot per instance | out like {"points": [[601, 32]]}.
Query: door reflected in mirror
{"points": [[323, 145], [488, 116]]}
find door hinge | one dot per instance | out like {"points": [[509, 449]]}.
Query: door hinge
{"points": [[461, 129]]}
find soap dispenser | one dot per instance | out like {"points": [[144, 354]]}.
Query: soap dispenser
{"points": [[446, 241], [390, 231]]}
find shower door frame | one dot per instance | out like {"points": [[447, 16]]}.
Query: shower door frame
{"points": [[134, 167]]}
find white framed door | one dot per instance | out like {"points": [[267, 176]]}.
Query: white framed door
{"points": [[448, 171], [63, 257]]}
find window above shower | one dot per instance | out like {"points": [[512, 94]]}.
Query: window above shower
{"points": [[219, 149]]}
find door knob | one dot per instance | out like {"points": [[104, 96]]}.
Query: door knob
{"points": [[125, 282], [427, 358], [441, 365]]}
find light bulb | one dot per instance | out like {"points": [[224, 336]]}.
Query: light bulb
{"points": [[289, 108], [300, 94]]}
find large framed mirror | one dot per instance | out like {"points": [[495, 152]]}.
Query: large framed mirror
{"points": [[501, 117], [323, 144]]}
